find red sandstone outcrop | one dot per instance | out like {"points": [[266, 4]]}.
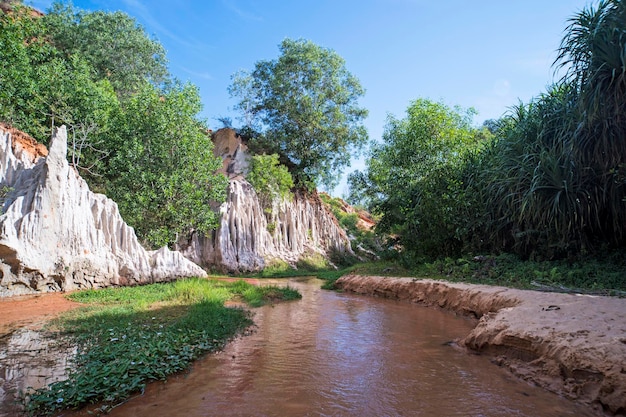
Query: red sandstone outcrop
{"points": [[573, 345]]}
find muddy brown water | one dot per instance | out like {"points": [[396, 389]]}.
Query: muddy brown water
{"points": [[334, 354]]}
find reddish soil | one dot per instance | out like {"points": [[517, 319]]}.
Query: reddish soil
{"points": [[32, 310], [7, 7], [571, 344], [23, 142]]}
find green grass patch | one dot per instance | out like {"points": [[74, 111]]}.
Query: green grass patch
{"points": [[281, 269], [129, 336], [605, 275], [275, 269], [593, 275], [331, 276], [313, 262]]}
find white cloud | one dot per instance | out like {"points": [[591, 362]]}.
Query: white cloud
{"points": [[197, 74], [143, 12], [502, 88], [233, 6]]}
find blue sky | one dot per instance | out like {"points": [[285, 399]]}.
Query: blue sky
{"points": [[486, 54]]}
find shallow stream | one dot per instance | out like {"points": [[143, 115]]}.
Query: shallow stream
{"points": [[335, 354], [329, 354]]}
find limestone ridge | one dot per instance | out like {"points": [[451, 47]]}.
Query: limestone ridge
{"points": [[247, 239], [57, 235]]}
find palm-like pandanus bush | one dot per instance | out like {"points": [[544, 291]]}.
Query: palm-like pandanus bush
{"points": [[555, 180], [594, 53]]}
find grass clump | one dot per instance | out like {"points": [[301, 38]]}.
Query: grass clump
{"points": [[594, 275], [275, 268], [606, 275], [307, 266], [313, 262], [331, 276], [257, 296], [129, 336]]}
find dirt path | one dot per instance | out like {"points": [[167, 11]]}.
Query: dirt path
{"points": [[573, 345], [31, 311]]}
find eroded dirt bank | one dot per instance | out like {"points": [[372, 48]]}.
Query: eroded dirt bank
{"points": [[574, 345], [31, 310]]}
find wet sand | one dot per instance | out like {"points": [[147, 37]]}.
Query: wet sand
{"points": [[32, 311]]}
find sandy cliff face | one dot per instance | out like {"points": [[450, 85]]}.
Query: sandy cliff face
{"points": [[248, 237], [56, 235], [246, 240], [574, 345]]}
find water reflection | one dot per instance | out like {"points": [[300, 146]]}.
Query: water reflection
{"points": [[29, 358]]}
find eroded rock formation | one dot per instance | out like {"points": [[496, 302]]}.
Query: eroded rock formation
{"points": [[57, 235], [249, 237]]}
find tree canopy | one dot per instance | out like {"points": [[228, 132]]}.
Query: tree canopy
{"points": [[413, 177], [134, 132], [304, 107], [117, 48], [546, 180]]}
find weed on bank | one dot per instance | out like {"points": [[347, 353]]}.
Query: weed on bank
{"points": [[129, 336], [600, 275]]}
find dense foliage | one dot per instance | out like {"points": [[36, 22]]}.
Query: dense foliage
{"points": [[304, 106], [555, 181], [168, 164], [414, 179], [127, 337], [271, 180], [364, 241], [545, 182], [134, 132]]}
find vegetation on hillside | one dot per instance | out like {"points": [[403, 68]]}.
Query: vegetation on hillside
{"points": [[365, 243], [271, 180], [544, 183], [134, 131]]}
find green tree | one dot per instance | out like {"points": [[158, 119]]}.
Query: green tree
{"points": [[117, 48], [271, 180], [554, 181], [162, 171], [134, 133], [593, 51], [22, 51], [305, 103], [67, 95], [414, 179], [41, 88]]}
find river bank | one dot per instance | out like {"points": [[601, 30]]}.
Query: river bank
{"points": [[573, 345]]}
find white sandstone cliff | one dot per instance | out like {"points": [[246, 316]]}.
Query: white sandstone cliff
{"points": [[248, 238], [57, 235]]}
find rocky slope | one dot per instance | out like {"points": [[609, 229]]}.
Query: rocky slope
{"points": [[573, 345], [56, 235], [249, 238]]}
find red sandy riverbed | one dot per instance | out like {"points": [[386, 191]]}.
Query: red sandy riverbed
{"points": [[32, 310]]}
